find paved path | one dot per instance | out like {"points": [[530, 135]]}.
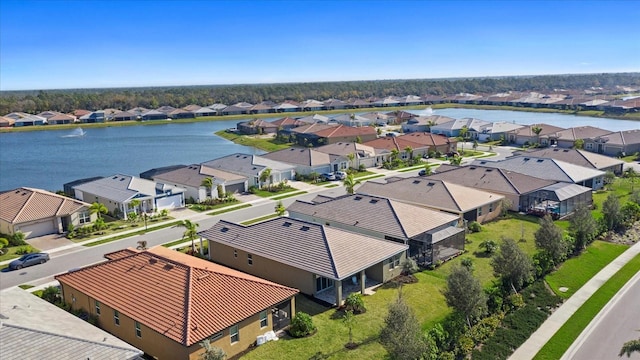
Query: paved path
{"points": [[546, 331]]}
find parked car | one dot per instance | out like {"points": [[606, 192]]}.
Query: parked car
{"points": [[328, 177], [28, 260], [340, 175]]}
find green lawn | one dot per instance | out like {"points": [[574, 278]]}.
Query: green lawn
{"points": [[203, 207], [260, 219], [139, 232], [225, 210], [567, 334], [11, 252], [284, 196], [266, 193], [576, 271], [266, 144]]}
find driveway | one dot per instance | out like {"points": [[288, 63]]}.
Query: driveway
{"points": [[48, 242]]}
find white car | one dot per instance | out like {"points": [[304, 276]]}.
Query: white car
{"points": [[340, 175]]}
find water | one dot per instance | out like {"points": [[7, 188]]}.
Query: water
{"points": [[47, 159]]}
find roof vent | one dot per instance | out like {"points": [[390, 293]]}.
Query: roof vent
{"points": [[122, 179], [373, 201], [565, 150], [416, 181], [224, 229], [115, 177], [482, 162], [472, 168], [286, 223], [540, 160], [526, 159], [168, 266], [153, 260], [304, 228], [357, 198], [489, 170], [430, 184]]}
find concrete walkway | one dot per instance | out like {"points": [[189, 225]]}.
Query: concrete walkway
{"points": [[546, 331]]}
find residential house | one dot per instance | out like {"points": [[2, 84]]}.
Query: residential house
{"points": [[386, 145], [468, 203], [287, 123], [218, 107], [262, 108], [57, 118], [334, 104], [312, 105], [352, 120], [138, 111], [549, 169], [36, 212], [386, 102], [532, 134], [204, 111], [153, 115], [252, 167], [319, 260], [579, 157], [166, 109], [181, 114], [340, 133], [558, 200], [24, 119], [512, 185], [79, 113], [237, 109], [256, 126], [497, 131], [454, 128], [192, 107], [363, 155], [424, 123], [307, 161], [94, 117], [315, 119], [431, 235], [567, 138], [6, 121], [357, 104], [400, 116], [379, 118], [190, 178], [410, 100], [434, 99], [305, 135], [287, 106], [437, 143], [124, 116], [615, 143], [165, 302], [29, 320], [118, 191]]}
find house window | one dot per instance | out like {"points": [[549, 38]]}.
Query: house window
{"points": [[84, 217], [97, 307], [234, 334], [263, 319], [216, 336], [490, 208], [249, 259], [588, 146], [323, 283], [138, 331], [480, 211], [235, 253], [116, 317], [394, 262]]}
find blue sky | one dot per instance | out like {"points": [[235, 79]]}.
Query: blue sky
{"points": [[85, 44]]}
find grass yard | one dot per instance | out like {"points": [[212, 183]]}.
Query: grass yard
{"points": [[260, 219], [139, 232], [225, 210], [266, 144], [576, 271], [266, 194], [567, 334], [203, 207], [287, 195], [12, 252]]}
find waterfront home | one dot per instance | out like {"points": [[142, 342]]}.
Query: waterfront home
{"points": [[36, 212], [79, 112], [379, 118], [94, 117], [400, 116], [312, 105], [153, 115], [204, 111], [385, 145], [138, 111], [256, 126], [386, 102], [431, 235], [166, 109], [454, 128], [357, 103], [237, 109], [191, 177], [339, 133], [252, 167], [307, 161], [305, 135], [124, 116], [467, 203], [287, 106], [566, 138], [192, 107], [319, 260], [118, 191], [437, 143], [165, 302], [287, 123], [363, 155], [532, 134], [352, 120], [56, 118], [24, 119], [333, 104], [549, 169], [615, 144], [27, 319], [578, 157], [410, 100], [218, 107], [180, 114], [262, 108], [497, 131], [424, 123], [6, 121]]}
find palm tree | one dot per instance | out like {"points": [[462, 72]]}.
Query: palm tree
{"points": [[537, 130], [630, 347], [208, 184], [190, 233], [394, 154], [455, 160], [280, 209], [631, 174], [430, 123], [351, 157], [409, 151], [265, 175], [350, 183], [98, 208]]}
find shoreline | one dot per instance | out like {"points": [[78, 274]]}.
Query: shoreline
{"points": [[588, 113]]}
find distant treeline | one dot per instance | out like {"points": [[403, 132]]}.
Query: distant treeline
{"points": [[153, 97]]}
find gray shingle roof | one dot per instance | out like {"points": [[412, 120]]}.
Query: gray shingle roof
{"points": [[237, 163], [566, 191], [576, 157], [299, 156], [123, 187], [319, 249], [544, 168]]}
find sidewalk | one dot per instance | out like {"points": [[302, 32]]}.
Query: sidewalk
{"points": [[546, 331]]}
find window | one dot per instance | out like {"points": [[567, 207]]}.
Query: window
{"points": [[85, 217], [216, 336], [588, 146], [138, 331], [116, 317], [234, 334], [394, 262], [490, 208], [249, 259], [480, 211], [263, 319], [323, 283], [235, 253], [97, 307]]}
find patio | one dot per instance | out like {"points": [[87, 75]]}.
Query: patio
{"points": [[348, 286]]}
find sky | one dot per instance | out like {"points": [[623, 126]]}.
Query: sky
{"points": [[55, 44]]}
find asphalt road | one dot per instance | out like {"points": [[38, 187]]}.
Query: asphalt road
{"points": [[616, 324], [80, 256]]}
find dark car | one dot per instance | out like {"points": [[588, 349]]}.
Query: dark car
{"points": [[28, 260], [422, 172]]}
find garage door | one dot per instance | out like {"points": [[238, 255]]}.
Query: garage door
{"points": [[169, 202], [234, 188], [39, 229]]}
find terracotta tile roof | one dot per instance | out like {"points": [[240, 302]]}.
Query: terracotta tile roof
{"points": [[6, 121], [180, 296], [26, 204], [426, 138], [394, 142]]}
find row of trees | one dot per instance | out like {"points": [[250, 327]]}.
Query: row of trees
{"points": [[153, 97]]}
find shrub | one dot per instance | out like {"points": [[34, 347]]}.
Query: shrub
{"points": [[467, 262], [4, 242], [302, 325], [409, 266], [17, 239], [51, 294], [489, 246], [355, 303], [25, 250], [474, 227]]}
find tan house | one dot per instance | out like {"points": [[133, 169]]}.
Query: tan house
{"points": [[36, 212], [319, 260], [165, 302], [579, 157], [363, 155], [468, 203], [527, 134]]}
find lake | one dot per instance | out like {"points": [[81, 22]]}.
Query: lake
{"points": [[47, 159]]}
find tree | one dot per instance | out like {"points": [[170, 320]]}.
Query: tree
{"points": [[464, 132], [631, 175], [135, 204], [409, 151], [265, 176], [630, 347], [609, 178], [211, 352], [208, 184], [402, 333], [549, 239], [464, 293], [280, 209], [349, 320], [350, 183], [351, 157], [537, 130], [611, 212], [98, 208], [583, 227], [475, 145], [455, 160], [190, 233], [394, 154], [489, 246], [578, 144], [512, 265]]}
